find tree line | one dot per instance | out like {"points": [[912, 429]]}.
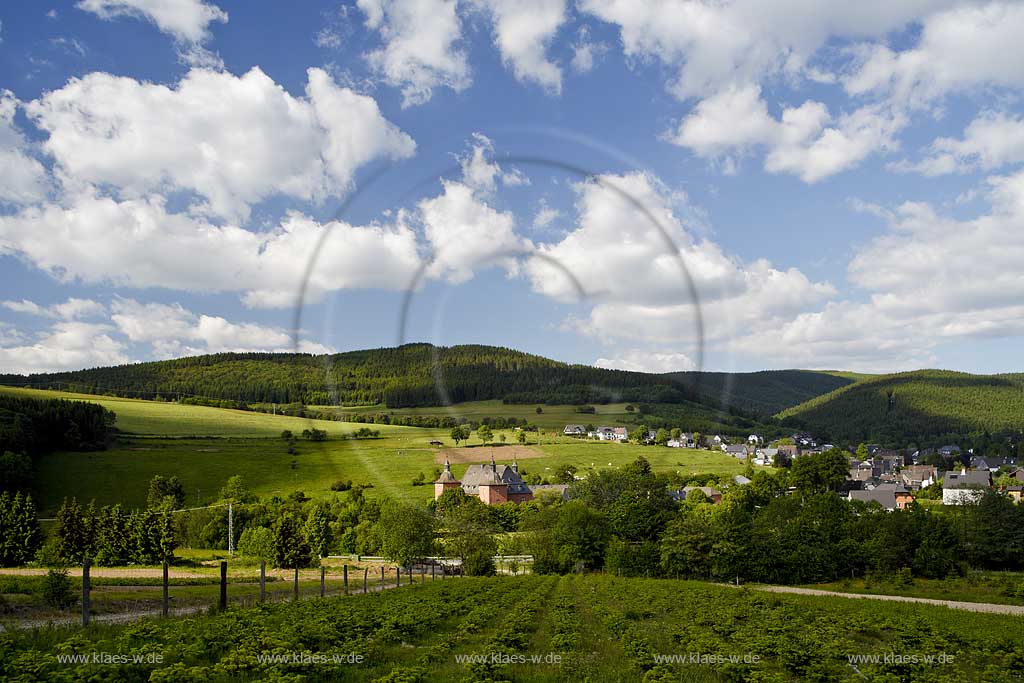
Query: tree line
{"points": [[397, 377]]}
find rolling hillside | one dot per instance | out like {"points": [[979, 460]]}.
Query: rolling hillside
{"points": [[762, 393], [397, 377], [922, 406], [404, 377]]}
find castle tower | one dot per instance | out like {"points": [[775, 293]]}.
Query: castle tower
{"points": [[446, 481], [493, 490]]}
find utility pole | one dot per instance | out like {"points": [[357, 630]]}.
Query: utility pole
{"points": [[231, 530]]}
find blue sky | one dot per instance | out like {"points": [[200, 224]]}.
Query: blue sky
{"points": [[842, 184]]}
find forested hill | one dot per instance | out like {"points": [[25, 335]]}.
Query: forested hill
{"points": [[399, 377], [761, 393], [925, 407]]}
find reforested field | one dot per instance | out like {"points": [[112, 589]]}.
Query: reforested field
{"points": [[761, 393], [923, 406], [398, 377], [543, 628]]}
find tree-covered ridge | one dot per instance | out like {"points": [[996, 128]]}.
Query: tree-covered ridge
{"points": [[919, 406], [762, 393], [404, 376]]}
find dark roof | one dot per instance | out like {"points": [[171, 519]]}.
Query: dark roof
{"points": [[446, 476], [884, 497], [482, 475], [962, 479]]}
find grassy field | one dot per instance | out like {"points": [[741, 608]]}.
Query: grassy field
{"points": [[545, 628], [204, 466], [172, 419], [552, 417], [205, 446]]}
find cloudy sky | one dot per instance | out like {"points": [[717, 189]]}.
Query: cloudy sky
{"points": [[643, 184]]}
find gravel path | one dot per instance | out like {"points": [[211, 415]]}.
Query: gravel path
{"points": [[952, 604]]}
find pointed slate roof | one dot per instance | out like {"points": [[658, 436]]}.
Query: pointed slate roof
{"points": [[447, 477]]}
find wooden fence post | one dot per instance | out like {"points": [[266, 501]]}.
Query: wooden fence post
{"points": [[344, 577], [223, 585], [433, 575], [166, 607], [398, 576], [295, 592], [366, 571], [85, 591], [263, 581], [382, 577], [323, 587]]}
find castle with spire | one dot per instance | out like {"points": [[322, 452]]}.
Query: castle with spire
{"points": [[493, 484]]}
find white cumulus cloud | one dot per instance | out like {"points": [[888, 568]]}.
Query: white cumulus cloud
{"points": [[232, 140]]}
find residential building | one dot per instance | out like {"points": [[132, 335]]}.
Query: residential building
{"points": [[884, 497], [917, 477], [964, 487], [574, 430]]}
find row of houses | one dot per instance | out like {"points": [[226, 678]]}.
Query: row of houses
{"points": [[601, 433], [896, 490]]}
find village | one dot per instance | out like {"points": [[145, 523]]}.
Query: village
{"points": [[891, 478]]}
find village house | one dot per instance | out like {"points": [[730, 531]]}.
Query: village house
{"points": [[863, 471], [492, 484], [884, 497], [788, 449], [1015, 493], [685, 440], [917, 477], [964, 487], [574, 430], [903, 496], [736, 451], [713, 494], [765, 456]]}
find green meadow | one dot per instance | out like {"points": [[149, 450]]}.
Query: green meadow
{"points": [[551, 417], [203, 447]]}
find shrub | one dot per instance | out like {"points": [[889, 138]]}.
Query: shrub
{"points": [[55, 589], [257, 542], [903, 578], [341, 485]]}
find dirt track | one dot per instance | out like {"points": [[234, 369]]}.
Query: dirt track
{"points": [[952, 604], [502, 454]]}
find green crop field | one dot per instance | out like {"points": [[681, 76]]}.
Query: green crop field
{"points": [[203, 447], [544, 628]]}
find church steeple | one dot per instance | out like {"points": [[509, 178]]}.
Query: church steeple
{"points": [[494, 468], [515, 465]]}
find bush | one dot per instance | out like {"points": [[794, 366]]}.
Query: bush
{"points": [[257, 542], [903, 578], [341, 485], [56, 588]]}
